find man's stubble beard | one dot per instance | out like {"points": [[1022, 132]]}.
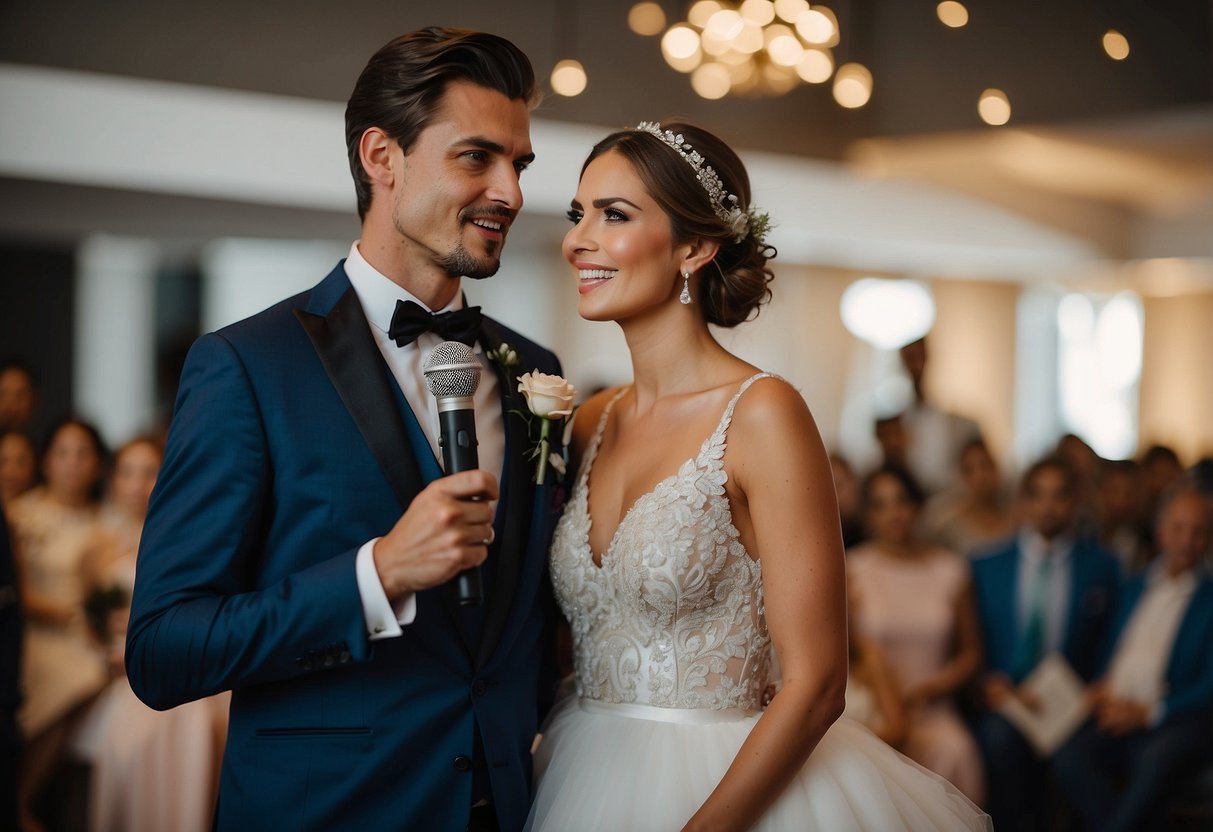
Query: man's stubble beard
{"points": [[461, 263]]}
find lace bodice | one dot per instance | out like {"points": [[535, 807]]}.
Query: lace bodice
{"points": [[674, 616]]}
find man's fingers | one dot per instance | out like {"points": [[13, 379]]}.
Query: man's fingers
{"points": [[468, 484]]}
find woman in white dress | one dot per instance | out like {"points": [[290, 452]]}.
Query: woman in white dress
{"points": [[682, 558]]}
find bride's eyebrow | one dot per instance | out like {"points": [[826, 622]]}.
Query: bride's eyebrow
{"points": [[611, 200]]}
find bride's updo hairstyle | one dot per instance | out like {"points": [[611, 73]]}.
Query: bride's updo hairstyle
{"points": [[734, 286]]}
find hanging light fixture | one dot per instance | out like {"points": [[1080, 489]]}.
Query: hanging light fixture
{"points": [[760, 48]]}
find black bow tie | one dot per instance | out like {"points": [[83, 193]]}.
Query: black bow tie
{"points": [[410, 320]]}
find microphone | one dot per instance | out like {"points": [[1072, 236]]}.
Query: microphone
{"points": [[452, 373]]}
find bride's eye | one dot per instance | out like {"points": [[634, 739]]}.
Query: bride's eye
{"points": [[614, 215], [574, 216]]}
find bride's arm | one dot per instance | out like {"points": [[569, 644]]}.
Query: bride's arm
{"points": [[781, 473]]}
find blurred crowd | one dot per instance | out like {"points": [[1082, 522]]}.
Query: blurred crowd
{"points": [[1077, 598], [91, 754], [1045, 644]]}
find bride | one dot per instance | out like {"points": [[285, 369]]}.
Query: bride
{"points": [[701, 532]]}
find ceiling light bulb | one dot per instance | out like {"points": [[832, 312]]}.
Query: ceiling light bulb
{"points": [[761, 12], [994, 107], [646, 18], [952, 14], [701, 12], [852, 85], [568, 78], [711, 81], [1116, 45], [817, 27], [789, 10], [680, 42], [815, 66]]}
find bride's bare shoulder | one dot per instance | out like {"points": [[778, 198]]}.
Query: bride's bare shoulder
{"points": [[773, 417], [588, 413]]}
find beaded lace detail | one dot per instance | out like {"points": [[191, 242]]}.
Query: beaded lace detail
{"points": [[674, 616]]}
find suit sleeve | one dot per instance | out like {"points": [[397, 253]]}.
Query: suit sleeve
{"points": [[200, 623]]}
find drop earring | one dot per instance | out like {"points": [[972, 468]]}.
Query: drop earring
{"points": [[685, 297]]}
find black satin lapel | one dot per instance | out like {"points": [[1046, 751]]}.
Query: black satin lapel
{"points": [[356, 368], [513, 521]]}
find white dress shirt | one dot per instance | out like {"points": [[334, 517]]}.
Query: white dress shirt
{"points": [[378, 295], [1139, 664], [1034, 549]]}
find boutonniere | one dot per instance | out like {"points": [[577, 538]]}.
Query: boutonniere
{"points": [[506, 358], [550, 398]]}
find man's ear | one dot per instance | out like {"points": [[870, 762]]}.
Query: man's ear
{"points": [[376, 151]]}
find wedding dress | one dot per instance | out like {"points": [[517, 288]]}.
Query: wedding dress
{"points": [[672, 653]]}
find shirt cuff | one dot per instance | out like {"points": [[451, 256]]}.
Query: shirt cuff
{"points": [[383, 619]]}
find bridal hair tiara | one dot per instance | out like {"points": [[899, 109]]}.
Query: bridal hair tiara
{"points": [[741, 222]]}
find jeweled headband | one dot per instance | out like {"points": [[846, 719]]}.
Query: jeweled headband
{"points": [[741, 221]]}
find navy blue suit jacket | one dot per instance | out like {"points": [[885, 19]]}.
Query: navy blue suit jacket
{"points": [[1189, 672], [291, 446], [1093, 585]]}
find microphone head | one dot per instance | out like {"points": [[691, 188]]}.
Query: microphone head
{"points": [[452, 370]]}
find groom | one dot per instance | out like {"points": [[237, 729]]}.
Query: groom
{"points": [[301, 537]]}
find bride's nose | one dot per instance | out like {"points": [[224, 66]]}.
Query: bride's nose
{"points": [[577, 241]]}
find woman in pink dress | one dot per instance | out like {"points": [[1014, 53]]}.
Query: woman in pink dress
{"points": [[913, 601]]}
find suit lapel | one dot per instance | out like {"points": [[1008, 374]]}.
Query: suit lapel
{"points": [[357, 371], [512, 524]]}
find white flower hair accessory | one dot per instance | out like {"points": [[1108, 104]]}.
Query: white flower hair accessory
{"points": [[741, 222]]}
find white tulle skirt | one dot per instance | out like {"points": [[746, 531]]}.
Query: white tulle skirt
{"points": [[639, 768]]}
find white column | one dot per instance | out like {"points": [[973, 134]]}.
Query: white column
{"points": [[114, 377], [242, 277]]}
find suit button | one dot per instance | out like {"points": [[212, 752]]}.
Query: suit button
{"points": [[462, 763], [479, 687]]}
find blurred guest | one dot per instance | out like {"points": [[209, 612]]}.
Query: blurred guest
{"points": [[969, 518], [1118, 514], [1154, 702], [18, 396], [846, 489], [934, 435], [1161, 469], [872, 697], [151, 771], [913, 601], [18, 464], [890, 433], [10, 691], [53, 526], [1084, 462], [1046, 592], [1201, 475]]}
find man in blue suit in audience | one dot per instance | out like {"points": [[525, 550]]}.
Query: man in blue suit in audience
{"points": [[301, 538], [1153, 703], [1044, 592]]}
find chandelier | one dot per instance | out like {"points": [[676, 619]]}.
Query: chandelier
{"points": [[756, 48]]}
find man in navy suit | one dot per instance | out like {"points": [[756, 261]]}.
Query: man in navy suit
{"points": [[301, 539], [1043, 592], [1153, 703]]}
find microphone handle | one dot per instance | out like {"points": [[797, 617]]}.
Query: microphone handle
{"points": [[457, 436]]}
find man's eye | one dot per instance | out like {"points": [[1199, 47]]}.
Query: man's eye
{"points": [[476, 156]]}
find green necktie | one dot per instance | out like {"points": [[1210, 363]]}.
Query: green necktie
{"points": [[1032, 648]]}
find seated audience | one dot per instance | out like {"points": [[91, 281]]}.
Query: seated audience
{"points": [[18, 464], [152, 771], [934, 436], [1118, 514], [1161, 469], [62, 667], [18, 396], [969, 518], [1045, 592], [846, 489], [1153, 703], [913, 602], [872, 697]]}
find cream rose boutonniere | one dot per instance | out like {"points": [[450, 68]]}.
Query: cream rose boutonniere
{"points": [[551, 399]]}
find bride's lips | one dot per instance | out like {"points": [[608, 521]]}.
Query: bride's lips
{"points": [[591, 276]]}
